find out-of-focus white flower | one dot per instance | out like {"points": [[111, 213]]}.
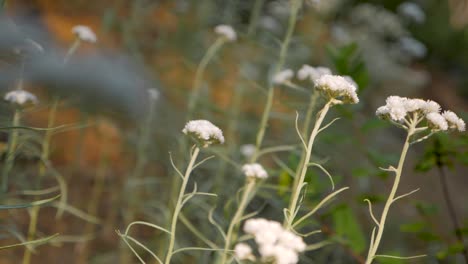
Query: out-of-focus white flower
{"points": [[204, 131], [412, 11], [413, 47], [431, 107], [312, 73], [20, 97], [454, 122], [153, 93], [274, 242], [243, 251], [226, 31], [283, 76], [338, 87], [84, 33], [254, 170], [248, 150], [437, 121]]}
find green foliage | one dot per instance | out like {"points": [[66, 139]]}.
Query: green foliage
{"points": [[347, 226]]}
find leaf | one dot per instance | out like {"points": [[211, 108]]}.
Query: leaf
{"points": [[347, 226], [284, 181], [413, 227], [27, 205]]}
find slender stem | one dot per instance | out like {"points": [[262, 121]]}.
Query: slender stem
{"points": [[10, 154], [42, 170], [451, 208], [257, 8], [292, 209], [296, 4], [238, 216], [305, 131], [196, 89], [391, 198], [178, 206], [73, 48]]}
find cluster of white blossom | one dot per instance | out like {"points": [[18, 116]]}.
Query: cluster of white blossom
{"points": [[247, 150], [274, 243], [204, 131], [338, 87], [283, 76], [307, 72], [84, 33], [226, 31], [20, 97], [243, 251], [399, 109], [254, 170]]}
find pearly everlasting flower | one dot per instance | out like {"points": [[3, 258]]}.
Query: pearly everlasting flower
{"points": [[243, 251], [153, 94], [247, 150], [412, 11], [337, 87], [204, 131], [436, 121], [453, 121], [397, 108], [283, 76], [226, 31], [312, 73], [20, 97], [431, 107], [254, 170], [84, 33], [274, 242]]}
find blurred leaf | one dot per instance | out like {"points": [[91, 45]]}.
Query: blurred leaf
{"points": [[373, 198], [426, 209], [392, 260], [414, 227], [373, 123], [348, 61], [284, 181], [347, 226]]}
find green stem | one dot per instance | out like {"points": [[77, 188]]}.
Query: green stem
{"points": [[10, 154], [178, 206], [257, 8], [292, 209], [73, 48], [391, 198], [248, 193], [296, 4], [195, 94], [42, 170]]}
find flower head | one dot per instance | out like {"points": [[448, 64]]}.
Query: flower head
{"points": [[436, 121], [274, 242], [337, 87], [20, 97], [254, 170], [412, 11], [226, 31], [243, 251], [312, 73], [283, 76], [247, 150], [153, 93], [204, 131], [453, 121], [84, 33]]}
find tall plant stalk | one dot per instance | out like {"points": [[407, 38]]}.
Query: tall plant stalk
{"points": [[179, 204], [293, 204], [246, 197], [11, 150], [45, 152], [295, 5]]}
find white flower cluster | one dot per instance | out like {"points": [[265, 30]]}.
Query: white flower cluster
{"points": [[254, 170], [399, 108], [20, 97], [84, 33], [243, 251], [204, 131], [248, 150], [312, 73], [338, 87], [283, 76], [226, 31], [275, 243]]}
